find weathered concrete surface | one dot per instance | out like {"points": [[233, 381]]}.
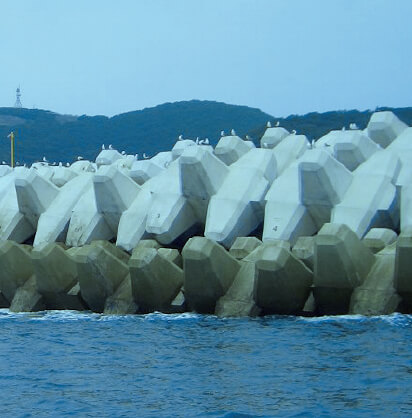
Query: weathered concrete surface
{"points": [[243, 246], [27, 298], [288, 150], [209, 270], [122, 301], [403, 275], [108, 157], [378, 238], [155, 280], [283, 282], [377, 295], [230, 148], [172, 255], [56, 275], [304, 250], [15, 268], [99, 273], [384, 127], [342, 263], [180, 146]]}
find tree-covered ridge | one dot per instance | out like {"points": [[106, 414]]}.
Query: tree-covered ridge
{"points": [[64, 137]]}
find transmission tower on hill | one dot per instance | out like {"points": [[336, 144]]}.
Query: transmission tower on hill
{"points": [[18, 95]]}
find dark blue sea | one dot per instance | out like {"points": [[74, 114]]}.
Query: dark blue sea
{"points": [[79, 364]]}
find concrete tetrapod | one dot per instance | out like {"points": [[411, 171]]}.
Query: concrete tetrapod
{"points": [[273, 136], [288, 150], [243, 246], [377, 295], [384, 127], [209, 270], [283, 282], [342, 263], [155, 280], [100, 273], [237, 209], [16, 268], [56, 276], [378, 238], [304, 250], [230, 148]]}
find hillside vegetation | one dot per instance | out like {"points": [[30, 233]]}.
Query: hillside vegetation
{"points": [[64, 137]]}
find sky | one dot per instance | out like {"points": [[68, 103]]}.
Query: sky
{"points": [[281, 56]]}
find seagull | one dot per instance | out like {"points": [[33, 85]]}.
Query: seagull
{"points": [[268, 124], [197, 141], [232, 132], [247, 138], [79, 158], [60, 164], [206, 141], [44, 160], [265, 145], [294, 132], [145, 156], [123, 152], [3, 162], [67, 164], [180, 137], [343, 128], [110, 146], [222, 133], [277, 124], [353, 126], [201, 142], [103, 147]]}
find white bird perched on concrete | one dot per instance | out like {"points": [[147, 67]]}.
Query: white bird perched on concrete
{"points": [[201, 142], [248, 138], [222, 133], [232, 132], [146, 156], [136, 156], [110, 146], [206, 141], [180, 138], [123, 152], [268, 124], [197, 140], [103, 147], [294, 132], [60, 164], [277, 124], [79, 158], [67, 164], [44, 159], [343, 128], [265, 145], [353, 126], [3, 162]]}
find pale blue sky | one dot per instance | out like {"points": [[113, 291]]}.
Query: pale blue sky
{"points": [[282, 56]]}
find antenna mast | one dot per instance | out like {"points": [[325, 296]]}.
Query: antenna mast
{"points": [[18, 95]]}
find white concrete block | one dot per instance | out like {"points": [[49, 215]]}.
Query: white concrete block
{"points": [[108, 157], [273, 136], [384, 127], [230, 148], [288, 150]]}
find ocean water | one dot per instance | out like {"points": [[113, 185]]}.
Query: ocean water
{"points": [[83, 364]]}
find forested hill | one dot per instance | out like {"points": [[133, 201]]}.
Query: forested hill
{"points": [[64, 137]]}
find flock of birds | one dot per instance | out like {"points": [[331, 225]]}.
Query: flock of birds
{"points": [[198, 141]]}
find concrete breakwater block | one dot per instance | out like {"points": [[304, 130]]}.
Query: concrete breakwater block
{"points": [[273, 136], [304, 250], [378, 238], [155, 280], [180, 146], [56, 275], [342, 263], [54, 221], [288, 150], [230, 148], [62, 175], [108, 157], [209, 270], [27, 298], [243, 246], [384, 127], [100, 273], [283, 282], [377, 294], [121, 302], [323, 182], [114, 193], [237, 209], [15, 268]]}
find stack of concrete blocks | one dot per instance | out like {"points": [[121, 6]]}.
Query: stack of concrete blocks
{"points": [[403, 275], [378, 238]]}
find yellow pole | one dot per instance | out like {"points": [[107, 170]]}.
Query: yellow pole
{"points": [[12, 149]]}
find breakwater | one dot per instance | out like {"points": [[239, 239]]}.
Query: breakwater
{"points": [[292, 227]]}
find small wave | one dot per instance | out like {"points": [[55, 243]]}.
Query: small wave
{"points": [[155, 316], [333, 318]]}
